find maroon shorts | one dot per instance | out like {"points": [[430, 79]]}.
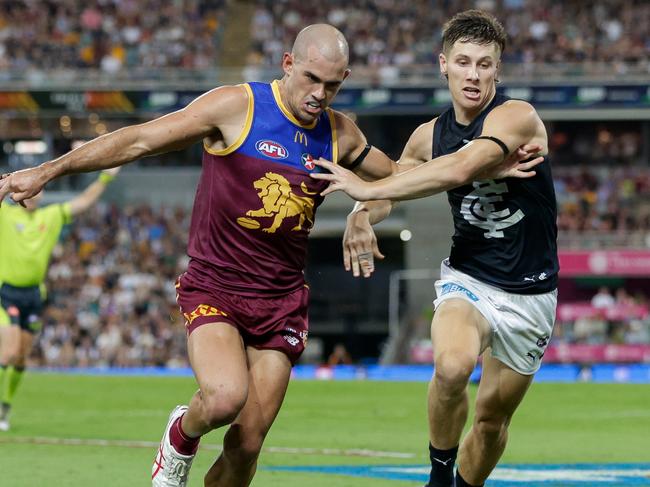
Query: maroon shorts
{"points": [[274, 323]]}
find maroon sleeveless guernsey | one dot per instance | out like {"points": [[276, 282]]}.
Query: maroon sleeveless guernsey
{"points": [[255, 202]]}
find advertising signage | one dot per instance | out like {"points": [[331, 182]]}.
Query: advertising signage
{"points": [[362, 100]]}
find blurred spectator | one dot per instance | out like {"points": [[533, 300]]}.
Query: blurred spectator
{"points": [[623, 298], [590, 329], [339, 356], [602, 299]]}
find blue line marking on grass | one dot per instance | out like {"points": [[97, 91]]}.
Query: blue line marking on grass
{"points": [[568, 373], [520, 475]]}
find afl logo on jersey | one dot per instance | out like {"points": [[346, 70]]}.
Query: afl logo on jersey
{"points": [[308, 161], [271, 149]]}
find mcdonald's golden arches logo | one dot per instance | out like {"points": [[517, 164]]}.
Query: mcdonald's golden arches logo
{"points": [[300, 137]]}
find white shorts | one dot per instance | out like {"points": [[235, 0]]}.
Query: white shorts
{"points": [[521, 324]]}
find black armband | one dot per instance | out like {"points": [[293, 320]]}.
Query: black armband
{"points": [[499, 142], [360, 157]]}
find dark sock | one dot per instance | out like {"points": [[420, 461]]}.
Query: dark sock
{"points": [[442, 466], [182, 443], [460, 481]]}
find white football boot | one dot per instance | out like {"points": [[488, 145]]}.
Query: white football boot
{"points": [[170, 468]]}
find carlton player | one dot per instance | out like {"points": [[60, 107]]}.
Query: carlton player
{"points": [[498, 288], [243, 296]]}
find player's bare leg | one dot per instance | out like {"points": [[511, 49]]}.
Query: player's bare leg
{"points": [[220, 366], [459, 333], [269, 371], [500, 392], [218, 359]]}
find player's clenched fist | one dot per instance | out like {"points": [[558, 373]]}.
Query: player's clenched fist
{"points": [[21, 185]]}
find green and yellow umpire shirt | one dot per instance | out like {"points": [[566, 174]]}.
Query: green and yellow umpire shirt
{"points": [[26, 241]]}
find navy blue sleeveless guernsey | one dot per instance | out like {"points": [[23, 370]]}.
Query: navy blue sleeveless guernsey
{"points": [[505, 230]]}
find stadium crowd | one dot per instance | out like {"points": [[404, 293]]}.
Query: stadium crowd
{"points": [[397, 33], [109, 34], [602, 184], [111, 291], [603, 200], [119, 35], [620, 317], [112, 295]]}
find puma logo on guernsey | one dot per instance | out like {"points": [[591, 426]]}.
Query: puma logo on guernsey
{"points": [[279, 202]]}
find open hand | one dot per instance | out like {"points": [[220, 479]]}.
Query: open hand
{"points": [[342, 179], [360, 245], [514, 166]]}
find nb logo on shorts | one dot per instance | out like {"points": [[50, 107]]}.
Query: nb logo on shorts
{"points": [[203, 310], [293, 341], [451, 287]]}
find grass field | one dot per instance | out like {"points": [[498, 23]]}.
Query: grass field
{"points": [[557, 423]]}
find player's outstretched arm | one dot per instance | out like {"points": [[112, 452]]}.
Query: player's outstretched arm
{"points": [[360, 247], [204, 116], [514, 123], [91, 194], [366, 161]]}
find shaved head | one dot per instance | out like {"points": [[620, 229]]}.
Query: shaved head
{"points": [[323, 39], [314, 71]]}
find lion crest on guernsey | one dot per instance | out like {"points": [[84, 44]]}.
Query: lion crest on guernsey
{"points": [[279, 202]]}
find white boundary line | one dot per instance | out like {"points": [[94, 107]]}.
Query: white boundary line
{"points": [[45, 440]]}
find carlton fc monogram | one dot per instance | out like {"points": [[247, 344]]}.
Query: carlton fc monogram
{"points": [[479, 210]]}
